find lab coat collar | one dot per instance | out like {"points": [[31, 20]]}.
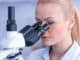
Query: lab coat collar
{"points": [[68, 56]]}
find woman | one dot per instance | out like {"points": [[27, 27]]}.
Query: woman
{"points": [[59, 39]]}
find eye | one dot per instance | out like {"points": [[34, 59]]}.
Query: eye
{"points": [[38, 20], [51, 22]]}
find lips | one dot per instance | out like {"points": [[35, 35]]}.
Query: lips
{"points": [[45, 38]]}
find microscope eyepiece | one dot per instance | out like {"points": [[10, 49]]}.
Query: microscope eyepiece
{"points": [[29, 28], [34, 36], [11, 23]]}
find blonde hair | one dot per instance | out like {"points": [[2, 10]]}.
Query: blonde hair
{"points": [[76, 27]]}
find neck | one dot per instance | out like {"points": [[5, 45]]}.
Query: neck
{"points": [[61, 48]]}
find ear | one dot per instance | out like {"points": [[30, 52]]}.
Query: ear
{"points": [[71, 22]]}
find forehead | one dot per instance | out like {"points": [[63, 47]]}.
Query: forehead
{"points": [[47, 7], [47, 10]]}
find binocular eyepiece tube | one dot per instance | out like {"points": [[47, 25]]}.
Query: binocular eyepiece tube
{"points": [[33, 36]]}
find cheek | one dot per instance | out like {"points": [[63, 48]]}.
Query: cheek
{"points": [[57, 32]]}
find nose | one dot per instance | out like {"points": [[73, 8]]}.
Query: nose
{"points": [[45, 34], [42, 23]]}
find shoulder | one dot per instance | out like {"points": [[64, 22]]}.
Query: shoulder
{"points": [[77, 55], [36, 55], [73, 53], [76, 51]]}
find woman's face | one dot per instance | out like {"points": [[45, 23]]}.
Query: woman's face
{"points": [[58, 25]]}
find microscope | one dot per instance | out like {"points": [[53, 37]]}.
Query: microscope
{"points": [[12, 47]]}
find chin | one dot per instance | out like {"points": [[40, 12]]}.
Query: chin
{"points": [[48, 44]]}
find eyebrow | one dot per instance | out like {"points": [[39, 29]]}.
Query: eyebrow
{"points": [[37, 19]]}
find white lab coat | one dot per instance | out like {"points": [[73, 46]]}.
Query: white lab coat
{"points": [[43, 54]]}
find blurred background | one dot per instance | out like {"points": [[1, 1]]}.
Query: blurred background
{"points": [[24, 15]]}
